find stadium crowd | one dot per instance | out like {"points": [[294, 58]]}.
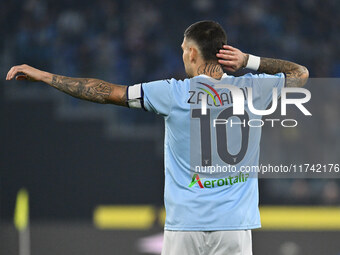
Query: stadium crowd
{"points": [[131, 41]]}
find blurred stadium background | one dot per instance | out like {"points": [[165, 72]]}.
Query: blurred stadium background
{"points": [[84, 165]]}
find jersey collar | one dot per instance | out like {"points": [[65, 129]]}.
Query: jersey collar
{"points": [[206, 76]]}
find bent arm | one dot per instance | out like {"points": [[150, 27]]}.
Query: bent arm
{"points": [[296, 75], [93, 90], [233, 59]]}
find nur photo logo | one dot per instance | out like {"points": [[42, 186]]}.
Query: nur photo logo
{"points": [[208, 97]]}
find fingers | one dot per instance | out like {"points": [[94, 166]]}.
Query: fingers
{"points": [[13, 71], [230, 58], [9, 73], [228, 47], [226, 56], [228, 65], [228, 52], [227, 62]]}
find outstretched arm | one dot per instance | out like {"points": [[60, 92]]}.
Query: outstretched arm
{"points": [[233, 59], [88, 89]]}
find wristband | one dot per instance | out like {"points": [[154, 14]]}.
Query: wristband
{"points": [[134, 96], [253, 62]]}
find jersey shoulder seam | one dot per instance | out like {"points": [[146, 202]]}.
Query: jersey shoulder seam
{"points": [[172, 97]]}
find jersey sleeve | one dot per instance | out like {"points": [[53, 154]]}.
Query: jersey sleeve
{"points": [[266, 83], [156, 96]]}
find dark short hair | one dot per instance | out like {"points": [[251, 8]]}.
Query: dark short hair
{"points": [[209, 36]]}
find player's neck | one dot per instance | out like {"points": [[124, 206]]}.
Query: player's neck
{"points": [[211, 69]]}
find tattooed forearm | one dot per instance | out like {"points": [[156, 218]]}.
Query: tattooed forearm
{"points": [[90, 89], [211, 69], [273, 66], [296, 75]]}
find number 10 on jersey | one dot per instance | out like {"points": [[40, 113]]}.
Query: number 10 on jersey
{"points": [[206, 126]]}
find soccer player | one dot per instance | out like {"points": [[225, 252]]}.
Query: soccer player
{"points": [[213, 214]]}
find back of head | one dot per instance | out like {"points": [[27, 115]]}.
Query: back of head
{"points": [[209, 37]]}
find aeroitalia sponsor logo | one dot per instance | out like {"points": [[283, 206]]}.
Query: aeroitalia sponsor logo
{"points": [[214, 183], [196, 179]]}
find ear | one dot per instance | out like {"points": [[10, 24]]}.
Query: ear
{"points": [[193, 54]]}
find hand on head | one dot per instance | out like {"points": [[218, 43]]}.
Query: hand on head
{"points": [[232, 59]]}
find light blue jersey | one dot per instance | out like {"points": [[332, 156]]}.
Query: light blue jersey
{"points": [[201, 194]]}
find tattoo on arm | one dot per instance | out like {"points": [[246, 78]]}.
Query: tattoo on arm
{"points": [[90, 89], [296, 75]]}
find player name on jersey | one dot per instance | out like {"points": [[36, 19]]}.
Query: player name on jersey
{"points": [[226, 98]]}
